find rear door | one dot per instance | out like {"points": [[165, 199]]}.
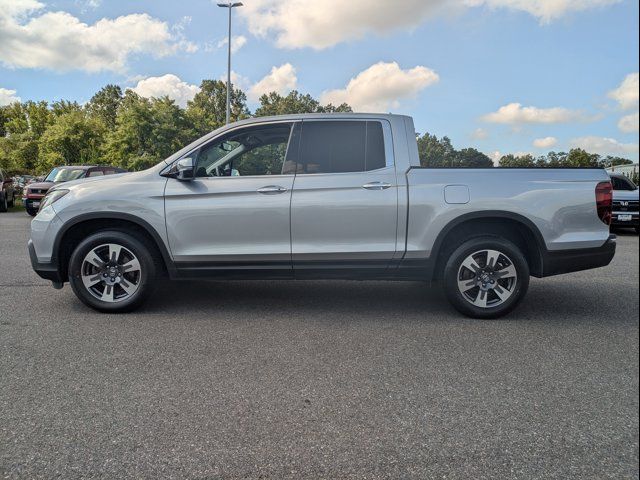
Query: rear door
{"points": [[344, 207]]}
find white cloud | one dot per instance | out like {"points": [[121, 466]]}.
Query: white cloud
{"points": [[86, 5], [237, 42], [604, 145], [169, 85], [281, 79], [495, 157], [516, 114], [627, 93], [629, 123], [59, 41], [546, 142], [544, 10], [322, 24], [382, 87], [8, 96], [480, 134]]}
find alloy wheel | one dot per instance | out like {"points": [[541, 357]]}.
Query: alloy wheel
{"points": [[487, 278], [111, 273]]}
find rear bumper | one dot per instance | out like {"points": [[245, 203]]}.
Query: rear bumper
{"points": [[634, 222], [567, 261], [48, 271]]}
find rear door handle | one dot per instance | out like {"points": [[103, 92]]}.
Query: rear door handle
{"points": [[272, 190], [376, 186]]}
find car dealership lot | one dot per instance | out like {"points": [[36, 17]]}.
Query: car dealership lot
{"points": [[318, 379]]}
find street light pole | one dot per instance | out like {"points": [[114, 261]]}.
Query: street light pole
{"points": [[230, 6]]}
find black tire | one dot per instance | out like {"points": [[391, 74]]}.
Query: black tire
{"points": [[517, 286], [146, 281], [32, 212], [3, 202]]}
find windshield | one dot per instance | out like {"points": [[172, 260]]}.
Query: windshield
{"points": [[621, 183], [64, 174]]}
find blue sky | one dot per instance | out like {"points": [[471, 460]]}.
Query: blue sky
{"points": [[498, 75]]}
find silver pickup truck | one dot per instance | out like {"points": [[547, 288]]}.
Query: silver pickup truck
{"points": [[321, 196]]}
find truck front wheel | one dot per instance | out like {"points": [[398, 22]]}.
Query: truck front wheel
{"points": [[486, 277], [111, 271]]}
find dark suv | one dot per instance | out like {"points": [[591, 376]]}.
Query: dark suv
{"points": [[7, 193], [35, 192], [625, 202]]}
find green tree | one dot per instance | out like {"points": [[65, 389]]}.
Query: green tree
{"points": [[275, 104], [4, 117], [19, 153], [580, 158], [472, 158], [522, 161], [130, 139], [17, 119], [434, 152], [171, 129], [60, 107], [612, 161], [208, 109], [72, 139], [105, 103], [38, 116], [146, 132]]}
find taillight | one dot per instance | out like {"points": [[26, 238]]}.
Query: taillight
{"points": [[604, 201]]}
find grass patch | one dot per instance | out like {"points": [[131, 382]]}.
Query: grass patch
{"points": [[17, 205]]}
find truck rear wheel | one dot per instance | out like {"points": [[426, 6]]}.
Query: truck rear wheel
{"points": [[486, 277], [111, 271]]}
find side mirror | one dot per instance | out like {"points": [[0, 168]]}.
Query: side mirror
{"points": [[185, 169]]}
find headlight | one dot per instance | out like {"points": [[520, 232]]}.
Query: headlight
{"points": [[52, 197]]}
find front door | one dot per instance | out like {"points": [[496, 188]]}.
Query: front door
{"points": [[235, 214], [344, 208]]}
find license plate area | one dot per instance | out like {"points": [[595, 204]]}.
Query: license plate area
{"points": [[624, 218]]}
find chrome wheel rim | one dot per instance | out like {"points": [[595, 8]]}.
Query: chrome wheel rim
{"points": [[111, 273], [487, 278]]}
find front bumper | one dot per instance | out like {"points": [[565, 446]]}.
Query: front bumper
{"points": [[567, 261], [48, 271], [32, 203]]}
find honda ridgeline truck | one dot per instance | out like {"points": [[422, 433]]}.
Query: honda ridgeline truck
{"points": [[321, 196]]}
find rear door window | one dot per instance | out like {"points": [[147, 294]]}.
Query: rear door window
{"points": [[341, 146]]}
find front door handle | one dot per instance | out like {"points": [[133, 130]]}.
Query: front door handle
{"points": [[272, 190], [376, 186]]}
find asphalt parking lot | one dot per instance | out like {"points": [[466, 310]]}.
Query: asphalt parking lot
{"points": [[318, 380]]}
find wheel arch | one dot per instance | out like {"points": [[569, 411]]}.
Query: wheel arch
{"points": [[80, 227], [512, 226]]}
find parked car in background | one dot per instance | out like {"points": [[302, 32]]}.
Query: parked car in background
{"points": [[322, 196], [7, 193], [35, 192], [625, 203]]}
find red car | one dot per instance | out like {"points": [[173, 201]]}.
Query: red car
{"points": [[35, 192], [7, 193]]}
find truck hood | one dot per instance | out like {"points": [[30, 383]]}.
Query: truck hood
{"points": [[40, 185], [103, 180], [625, 195]]}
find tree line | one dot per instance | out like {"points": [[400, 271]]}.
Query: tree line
{"points": [[133, 132], [440, 153]]}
